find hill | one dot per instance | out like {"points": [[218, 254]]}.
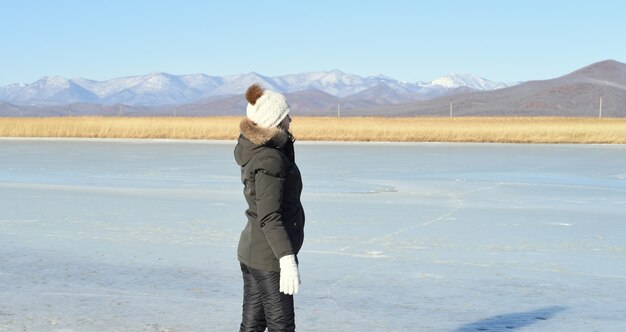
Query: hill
{"points": [[575, 94]]}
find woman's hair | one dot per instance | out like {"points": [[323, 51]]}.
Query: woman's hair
{"points": [[289, 134]]}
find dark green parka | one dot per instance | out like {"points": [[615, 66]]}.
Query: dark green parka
{"points": [[272, 188]]}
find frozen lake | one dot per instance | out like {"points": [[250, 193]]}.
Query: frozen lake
{"points": [[103, 235]]}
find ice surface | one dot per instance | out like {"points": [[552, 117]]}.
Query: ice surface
{"points": [[105, 235]]}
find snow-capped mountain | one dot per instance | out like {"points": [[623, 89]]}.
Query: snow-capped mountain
{"points": [[453, 81], [165, 89], [50, 90], [10, 89]]}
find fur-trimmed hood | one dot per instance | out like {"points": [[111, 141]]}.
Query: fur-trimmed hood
{"points": [[255, 138], [262, 136]]}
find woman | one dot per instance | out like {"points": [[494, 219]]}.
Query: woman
{"points": [[275, 229]]}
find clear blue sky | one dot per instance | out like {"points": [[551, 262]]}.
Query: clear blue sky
{"points": [[407, 40]]}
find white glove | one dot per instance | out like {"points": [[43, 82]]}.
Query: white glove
{"points": [[289, 275]]}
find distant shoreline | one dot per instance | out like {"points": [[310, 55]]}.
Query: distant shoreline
{"points": [[233, 142], [550, 130]]}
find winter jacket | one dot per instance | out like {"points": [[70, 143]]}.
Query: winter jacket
{"points": [[272, 188]]}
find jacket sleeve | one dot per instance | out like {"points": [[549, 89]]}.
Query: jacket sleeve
{"points": [[270, 181]]}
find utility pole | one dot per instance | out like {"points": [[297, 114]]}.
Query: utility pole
{"points": [[450, 109], [69, 109], [600, 112], [338, 108], [174, 110], [120, 111]]}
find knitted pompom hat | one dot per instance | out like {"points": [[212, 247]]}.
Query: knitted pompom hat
{"points": [[266, 108]]}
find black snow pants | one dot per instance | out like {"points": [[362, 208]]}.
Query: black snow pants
{"points": [[263, 304]]}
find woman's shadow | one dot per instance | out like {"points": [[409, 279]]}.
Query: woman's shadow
{"points": [[511, 321]]}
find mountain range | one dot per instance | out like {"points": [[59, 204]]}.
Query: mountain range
{"points": [[159, 89], [324, 93]]}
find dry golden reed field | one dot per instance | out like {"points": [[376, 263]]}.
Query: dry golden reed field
{"points": [[414, 129]]}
